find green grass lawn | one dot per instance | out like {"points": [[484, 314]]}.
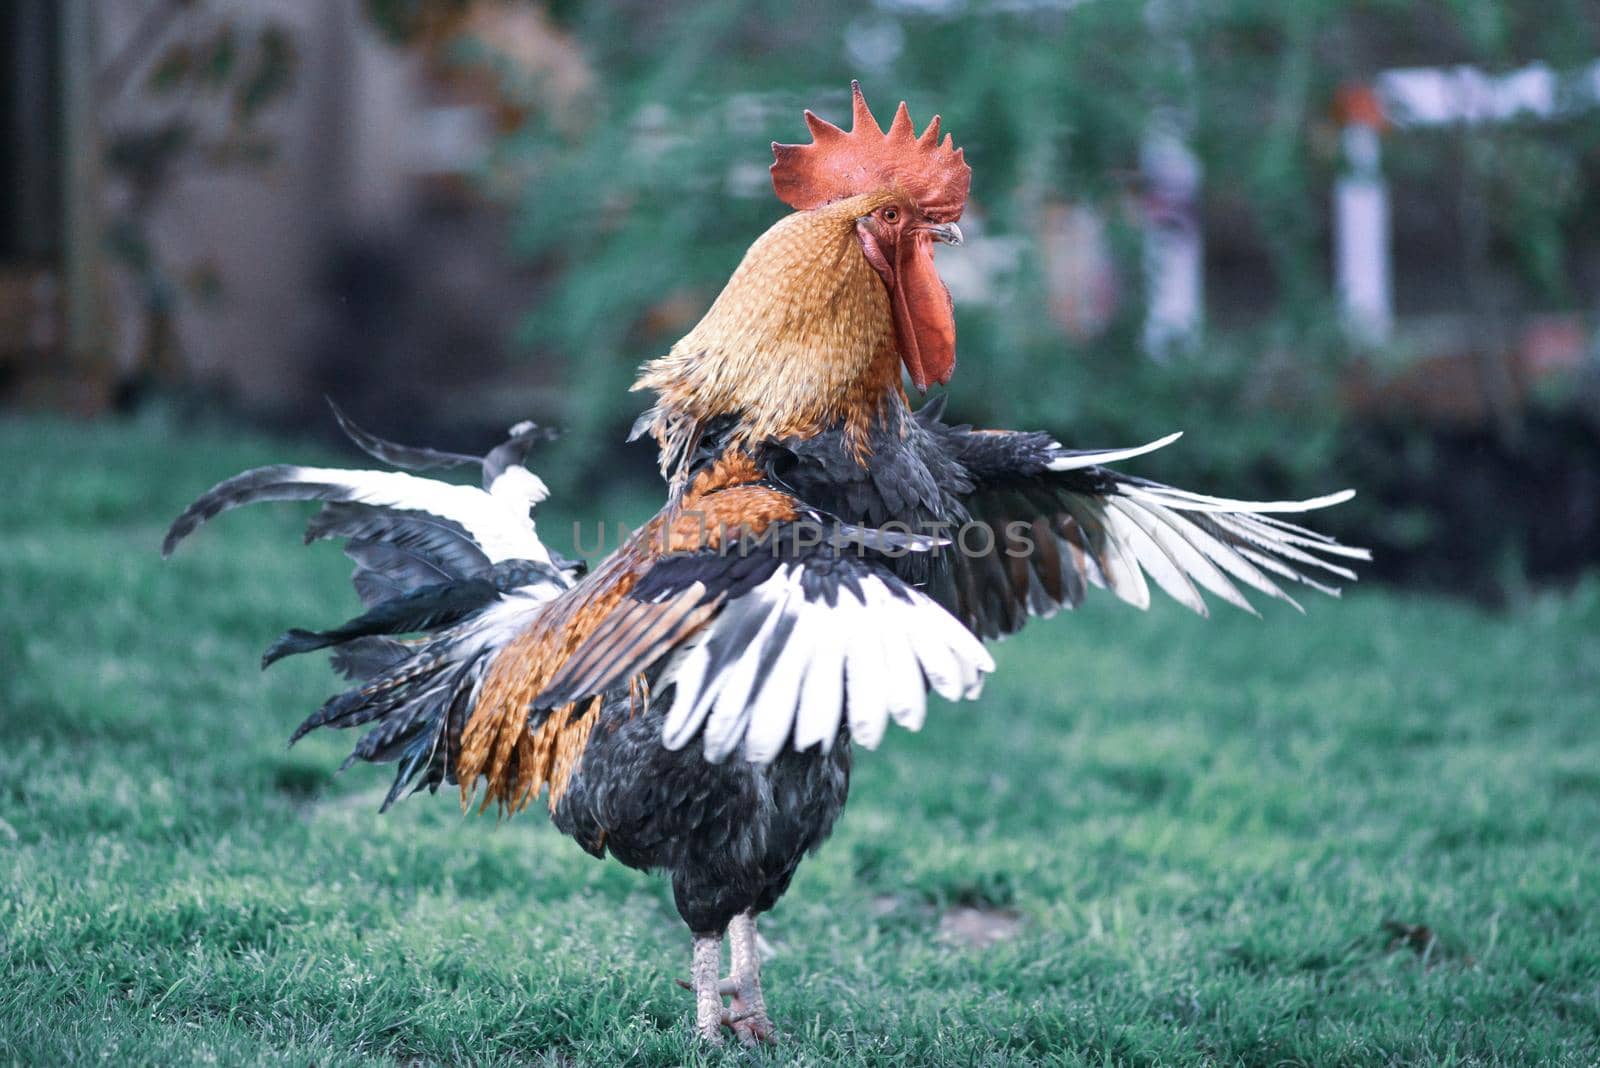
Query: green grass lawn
{"points": [[1193, 833]]}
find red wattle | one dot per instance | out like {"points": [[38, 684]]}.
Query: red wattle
{"points": [[924, 317]]}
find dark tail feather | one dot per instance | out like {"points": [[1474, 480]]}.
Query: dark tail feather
{"points": [[413, 735], [413, 458], [409, 457], [425, 609], [429, 759], [419, 704], [423, 751], [363, 658], [514, 450], [295, 641], [377, 698], [276, 482]]}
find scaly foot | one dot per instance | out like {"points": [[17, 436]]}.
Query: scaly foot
{"points": [[749, 1025], [749, 1004], [703, 969], [746, 1016]]}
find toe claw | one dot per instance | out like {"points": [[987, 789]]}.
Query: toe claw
{"points": [[752, 1028], [749, 1024]]}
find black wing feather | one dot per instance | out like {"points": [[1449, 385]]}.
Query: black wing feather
{"points": [[1090, 525]]}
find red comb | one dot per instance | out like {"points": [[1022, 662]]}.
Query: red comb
{"points": [[838, 164]]}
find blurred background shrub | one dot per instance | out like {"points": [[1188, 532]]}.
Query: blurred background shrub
{"points": [[453, 214]]}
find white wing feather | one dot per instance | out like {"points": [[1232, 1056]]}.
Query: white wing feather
{"points": [[870, 658]]}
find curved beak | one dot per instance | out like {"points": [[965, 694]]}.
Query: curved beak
{"points": [[949, 233]]}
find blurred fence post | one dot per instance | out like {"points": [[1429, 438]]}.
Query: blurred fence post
{"points": [[1174, 253], [1171, 172], [1361, 246]]}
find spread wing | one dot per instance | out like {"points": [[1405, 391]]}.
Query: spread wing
{"points": [[1053, 521], [779, 641]]}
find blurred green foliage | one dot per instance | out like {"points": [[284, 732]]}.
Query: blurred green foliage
{"points": [[639, 211]]}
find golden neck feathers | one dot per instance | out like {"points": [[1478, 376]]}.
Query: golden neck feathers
{"points": [[801, 339]]}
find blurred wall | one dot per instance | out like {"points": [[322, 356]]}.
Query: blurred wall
{"points": [[256, 237], [263, 202]]}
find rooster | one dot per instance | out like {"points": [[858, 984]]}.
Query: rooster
{"points": [[825, 557]]}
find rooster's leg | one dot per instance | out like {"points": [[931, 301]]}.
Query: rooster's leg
{"points": [[749, 1015], [703, 969]]}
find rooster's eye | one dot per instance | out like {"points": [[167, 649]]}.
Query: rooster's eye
{"points": [[890, 215]]}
